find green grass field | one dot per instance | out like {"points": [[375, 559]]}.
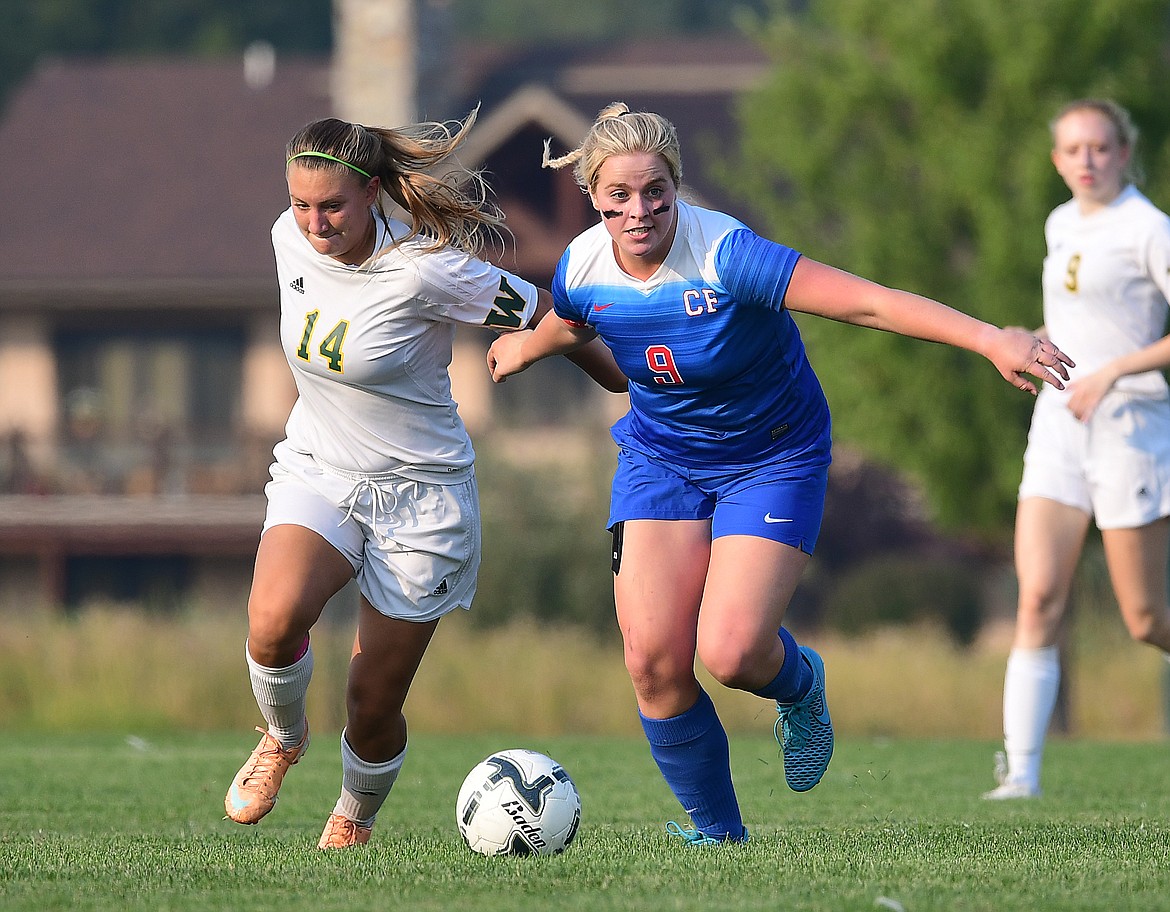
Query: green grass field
{"points": [[115, 822]]}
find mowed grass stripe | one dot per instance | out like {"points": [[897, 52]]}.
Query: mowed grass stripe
{"points": [[111, 821]]}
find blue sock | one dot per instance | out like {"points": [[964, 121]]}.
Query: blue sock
{"points": [[692, 753], [795, 678]]}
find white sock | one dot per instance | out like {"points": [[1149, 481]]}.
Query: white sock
{"points": [[364, 786], [280, 694], [1029, 696]]}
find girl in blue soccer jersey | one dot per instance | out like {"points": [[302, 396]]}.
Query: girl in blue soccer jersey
{"points": [[724, 454], [375, 479]]}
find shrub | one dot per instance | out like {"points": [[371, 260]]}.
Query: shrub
{"points": [[906, 589], [546, 551]]}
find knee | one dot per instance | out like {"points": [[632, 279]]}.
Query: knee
{"points": [[1148, 626], [276, 632], [657, 675], [373, 711], [1039, 615], [731, 664], [1040, 601]]}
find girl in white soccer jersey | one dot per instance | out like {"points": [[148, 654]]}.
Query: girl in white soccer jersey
{"points": [[724, 454], [375, 477], [1100, 449]]}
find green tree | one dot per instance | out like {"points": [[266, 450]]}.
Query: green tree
{"points": [[908, 142]]}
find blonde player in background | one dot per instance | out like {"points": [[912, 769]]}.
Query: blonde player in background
{"points": [[1101, 448], [375, 478]]}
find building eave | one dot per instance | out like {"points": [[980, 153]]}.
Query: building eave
{"points": [[100, 524], [123, 294]]}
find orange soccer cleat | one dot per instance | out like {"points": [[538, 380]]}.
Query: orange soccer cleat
{"points": [[253, 791], [342, 833]]}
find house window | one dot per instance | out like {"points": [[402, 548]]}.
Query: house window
{"points": [[140, 410], [156, 583]]}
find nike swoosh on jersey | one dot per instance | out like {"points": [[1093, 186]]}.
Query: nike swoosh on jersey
{"points": [[769, 518], [604, 306]]}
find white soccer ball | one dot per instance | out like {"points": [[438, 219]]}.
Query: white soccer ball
{"points": [[518, 802]]}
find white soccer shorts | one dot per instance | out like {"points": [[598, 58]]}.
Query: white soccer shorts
{"points": [[414, 546], [1116, 468]]}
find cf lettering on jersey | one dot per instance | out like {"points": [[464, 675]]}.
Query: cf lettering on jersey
{"points": [[698, 301]]}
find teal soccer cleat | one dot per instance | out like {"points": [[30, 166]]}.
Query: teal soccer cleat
{"points": [[804, 731], [693, 837]]}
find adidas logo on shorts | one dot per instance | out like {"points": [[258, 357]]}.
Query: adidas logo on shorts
{"points": [[298, 285], [441, 589]]}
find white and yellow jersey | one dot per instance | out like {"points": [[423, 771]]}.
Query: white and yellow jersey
{"points": [[370, 348], [1106, 283]]}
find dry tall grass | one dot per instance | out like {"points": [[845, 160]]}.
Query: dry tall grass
{"points": [[122, 670]]}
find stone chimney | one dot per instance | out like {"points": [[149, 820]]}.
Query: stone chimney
{"points": [[390, 61], [374, 61]]}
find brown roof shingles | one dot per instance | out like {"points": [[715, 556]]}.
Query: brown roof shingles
{"points": [[166, 174], [147, 170]]}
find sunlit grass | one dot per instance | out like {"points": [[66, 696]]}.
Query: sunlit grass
{"points": [[102, 821]]}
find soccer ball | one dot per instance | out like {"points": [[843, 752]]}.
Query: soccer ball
{"points": [[518, 802]]}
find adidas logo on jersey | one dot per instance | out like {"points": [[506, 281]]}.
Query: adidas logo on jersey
{"points": [[298, 285], [441, 589]]}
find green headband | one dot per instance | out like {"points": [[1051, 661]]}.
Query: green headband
{"points": [[332, 158]]}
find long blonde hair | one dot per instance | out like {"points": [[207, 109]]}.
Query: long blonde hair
{"points": [[447, 203], [620, 131]]}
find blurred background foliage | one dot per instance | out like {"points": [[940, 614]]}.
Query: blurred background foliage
{"points": [[909, 143], [546, 551]]}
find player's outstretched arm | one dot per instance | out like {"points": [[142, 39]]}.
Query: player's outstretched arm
{"points": [[1018, 355], [594, 357], [517, 351]]}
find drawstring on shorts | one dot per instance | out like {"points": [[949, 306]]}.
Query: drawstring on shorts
{"points": [[378, 500]]}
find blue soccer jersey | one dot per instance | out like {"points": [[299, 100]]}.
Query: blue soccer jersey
{"points": [[718, 372]]}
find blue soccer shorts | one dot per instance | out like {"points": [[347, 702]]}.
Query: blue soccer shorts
{"points": [[783, 501]]}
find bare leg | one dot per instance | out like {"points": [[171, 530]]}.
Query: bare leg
{"points": [[658, 591], [1049, 538], [657, 594], [296, 573], [386, 656], [1137, 560], [1048, 542], [749, 585]]}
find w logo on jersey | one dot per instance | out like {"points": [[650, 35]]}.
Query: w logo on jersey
{"points": [[531, 793], [506, 308]]}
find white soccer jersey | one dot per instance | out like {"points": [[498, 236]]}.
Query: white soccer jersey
{"points": [[1106, 283], [370, 348]]}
